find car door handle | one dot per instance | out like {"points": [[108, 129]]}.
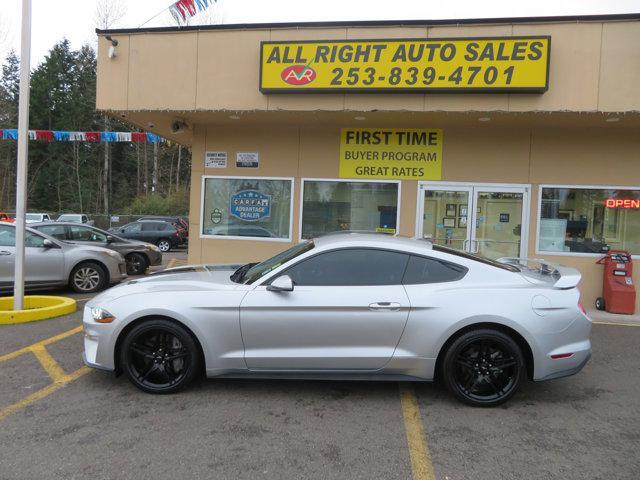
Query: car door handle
{"points": [[378, 306], [4, 252]]}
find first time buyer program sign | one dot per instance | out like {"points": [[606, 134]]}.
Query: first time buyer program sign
{"points": [[391, 153], [490, 64]]}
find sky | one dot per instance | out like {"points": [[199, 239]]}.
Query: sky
{"points": [[76, 19]]}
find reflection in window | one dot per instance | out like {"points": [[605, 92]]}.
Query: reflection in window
{"points": [[589, 220], [332, 206], [247, 207]]}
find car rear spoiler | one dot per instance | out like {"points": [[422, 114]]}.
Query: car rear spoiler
{"points": [[562, 277]]}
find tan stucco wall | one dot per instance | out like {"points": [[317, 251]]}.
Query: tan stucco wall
{"points": [[594, 67], [491, 155]]}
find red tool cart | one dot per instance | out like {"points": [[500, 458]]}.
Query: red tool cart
{"points": [[619, 291]]}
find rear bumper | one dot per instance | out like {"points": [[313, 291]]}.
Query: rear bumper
{"points": [[567, 372]]}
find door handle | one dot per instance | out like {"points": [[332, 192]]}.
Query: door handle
{"points": [[4, 252], [382, 306]]}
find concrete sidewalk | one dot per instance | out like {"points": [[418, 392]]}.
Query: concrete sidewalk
{"points": [[605, 317]]}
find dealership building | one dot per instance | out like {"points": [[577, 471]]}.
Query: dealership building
{"points": [[504, 137]]}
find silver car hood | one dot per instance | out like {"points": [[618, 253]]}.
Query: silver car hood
{"points": [[185, 279]]}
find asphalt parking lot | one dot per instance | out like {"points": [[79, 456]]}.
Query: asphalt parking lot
{"points": [[59, 420]]}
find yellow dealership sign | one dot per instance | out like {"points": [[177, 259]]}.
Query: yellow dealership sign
{"points": [[391, 153], [496, 64]]}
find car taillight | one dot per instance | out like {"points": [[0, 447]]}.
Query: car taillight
{"points": [[581, 308]]}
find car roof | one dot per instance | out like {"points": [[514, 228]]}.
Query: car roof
{"points": [[374, 240]]}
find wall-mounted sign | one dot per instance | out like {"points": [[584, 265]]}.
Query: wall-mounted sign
{"points": [[622, 203], [490, 64], [391, 153], [250, 205], [504, 218], [247, 159], [215, 160]]}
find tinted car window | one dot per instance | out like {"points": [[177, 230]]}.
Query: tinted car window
{"points": [[351, 267], [431, 270], [151, 226], [85, 234], [7, 236], [133, 228], [55, 231]]}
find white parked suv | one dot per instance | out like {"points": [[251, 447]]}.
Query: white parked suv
{"points": [[75, 218], [37, 217]]}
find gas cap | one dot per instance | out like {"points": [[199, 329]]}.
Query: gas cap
{"points": [[541, 305]]}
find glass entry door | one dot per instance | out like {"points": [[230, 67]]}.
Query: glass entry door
{"points": [[489, 220]]}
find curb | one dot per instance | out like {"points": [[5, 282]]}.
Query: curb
{"points": [[37, 307]]}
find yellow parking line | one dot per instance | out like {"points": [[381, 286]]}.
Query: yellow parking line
{"points": [[44, 392], [42, 343], [52, 367], [171, 263], [618, 324], [421, 465]]}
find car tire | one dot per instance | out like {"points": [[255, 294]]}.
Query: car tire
{"points": [[159, 356], [600, 305], [137, 264], [483, 367], [88, 277], [164, 244]]}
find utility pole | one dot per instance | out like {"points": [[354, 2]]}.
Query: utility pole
{"points": [[23, 154]]}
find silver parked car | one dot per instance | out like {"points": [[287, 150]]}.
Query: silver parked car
{"points": [[37, 217], [347, 306], [138, 255], [52, 263]]}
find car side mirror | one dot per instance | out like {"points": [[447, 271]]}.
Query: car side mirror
{"points": [[281, 284], [46, 243], [110, 239]]}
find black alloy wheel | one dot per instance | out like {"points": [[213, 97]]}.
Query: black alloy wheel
{"points": [[137, 264], [159, 356], [484, 368]]}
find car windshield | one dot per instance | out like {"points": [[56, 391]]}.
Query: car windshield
{"points": [[251, 272], [33, 216], [476, 257]]}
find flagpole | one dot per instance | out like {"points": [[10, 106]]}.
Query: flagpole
{"points": [[23, 154]]}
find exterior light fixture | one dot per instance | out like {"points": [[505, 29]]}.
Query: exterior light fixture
{"points": [[112, 48]]}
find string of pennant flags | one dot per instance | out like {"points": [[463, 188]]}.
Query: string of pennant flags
{"points": [[65, 136]]}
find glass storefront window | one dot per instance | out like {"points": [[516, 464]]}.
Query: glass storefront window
{"points": [[331, 206], [247, 207], [589, 220]]}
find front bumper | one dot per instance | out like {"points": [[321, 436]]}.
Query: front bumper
{"points": [[117, 272], [155, 257], [99, 343]]}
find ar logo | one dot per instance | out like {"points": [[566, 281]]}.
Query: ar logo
{"points": [[298, 75]]}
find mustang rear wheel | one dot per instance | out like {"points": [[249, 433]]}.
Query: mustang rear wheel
{"points": [[484, 367], [159, 356]]}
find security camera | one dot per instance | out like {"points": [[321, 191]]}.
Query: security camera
{"points": [[178, 126]]}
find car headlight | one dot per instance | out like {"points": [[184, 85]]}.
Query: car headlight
{"points": [[100, 315]]}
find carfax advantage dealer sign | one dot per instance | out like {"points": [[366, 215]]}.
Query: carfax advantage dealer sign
{"points": [[496, 64]]}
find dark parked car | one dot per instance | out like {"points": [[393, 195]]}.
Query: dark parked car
{"points": [[163, 234], [181, 223], [139, 255]]}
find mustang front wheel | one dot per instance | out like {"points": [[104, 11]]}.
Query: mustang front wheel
{"points": [[484, 367], [159, 356]]}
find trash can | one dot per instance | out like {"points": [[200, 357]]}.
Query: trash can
{"points": [[619, 293]]}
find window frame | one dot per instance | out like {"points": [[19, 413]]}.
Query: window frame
{"points": [[346, 180], [288, 239], [577, 187]]}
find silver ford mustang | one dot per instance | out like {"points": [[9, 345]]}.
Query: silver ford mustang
{"points": [[347, 306]]}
